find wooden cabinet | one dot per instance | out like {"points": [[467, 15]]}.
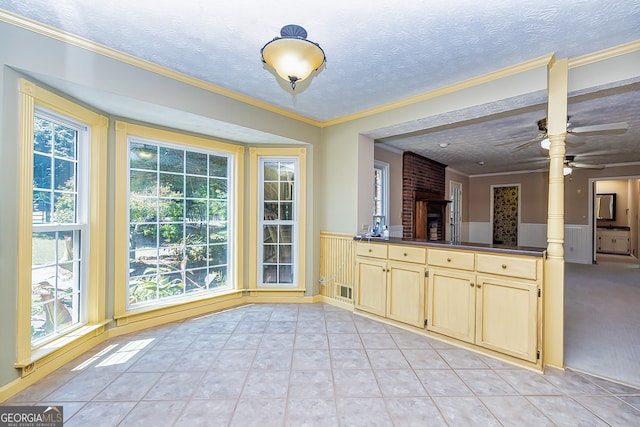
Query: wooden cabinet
{"points": [[489, 300], [613, 241], [494, 305], [391, 284], [428, 215]]}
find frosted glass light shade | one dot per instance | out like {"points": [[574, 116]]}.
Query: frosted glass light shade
{"points": [[545, 143], [566, 170], [292, 56]]}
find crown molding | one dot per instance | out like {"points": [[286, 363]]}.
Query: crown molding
{"points": [[604, 54]]}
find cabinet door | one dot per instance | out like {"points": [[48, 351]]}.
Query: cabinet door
{"points": [[371, 286], [507, 313], [451, 302], [405, 293]]}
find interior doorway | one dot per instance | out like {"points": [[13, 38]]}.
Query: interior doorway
{"points": [[505, 214]]}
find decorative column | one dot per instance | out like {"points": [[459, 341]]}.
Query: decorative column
{"points": [[553, 350]]}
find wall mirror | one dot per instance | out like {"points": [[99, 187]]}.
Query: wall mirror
{"points": [[606, 207]]}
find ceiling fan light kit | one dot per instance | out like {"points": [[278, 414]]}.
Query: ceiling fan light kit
{"points": [[292, 56]]}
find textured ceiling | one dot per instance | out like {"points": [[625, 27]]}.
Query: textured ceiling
{"points": [[377, 52]]}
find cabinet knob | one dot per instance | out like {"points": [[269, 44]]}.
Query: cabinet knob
{"points": [[504, 266], [471, 284], [448, 259], [405, 254], [478, 285], [370, 250]]}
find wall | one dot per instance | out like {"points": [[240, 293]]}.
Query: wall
{"points": [[533, 207]]}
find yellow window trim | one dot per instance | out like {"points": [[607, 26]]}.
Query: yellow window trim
{"points": [[254, 184], [31, 96], [121, 240]]}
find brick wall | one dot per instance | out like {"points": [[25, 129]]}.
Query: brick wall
{"points": [[421, 174]]}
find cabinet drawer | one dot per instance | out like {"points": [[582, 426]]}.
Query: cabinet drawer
{"points": [[524, 268], [408, 254], [371, 250], [451, 259]]}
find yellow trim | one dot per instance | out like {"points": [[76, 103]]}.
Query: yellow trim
{"points": [[31, 96], [254, 154], [164, 308], [604, 54]]}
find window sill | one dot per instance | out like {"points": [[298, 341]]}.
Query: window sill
{"points": [[61, 347], [178, 309]]}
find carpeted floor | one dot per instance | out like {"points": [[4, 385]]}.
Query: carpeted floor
{"points": [[602, 318]]}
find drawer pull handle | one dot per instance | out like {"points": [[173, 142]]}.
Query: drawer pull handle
{"points": [[504, 266], [448, 259]]}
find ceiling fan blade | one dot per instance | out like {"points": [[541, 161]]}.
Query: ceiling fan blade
{"points": [[620, 127], [515, 141], [584, 166], [525, 144]]}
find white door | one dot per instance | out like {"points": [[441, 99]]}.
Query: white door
{"points": [[455, 211]]}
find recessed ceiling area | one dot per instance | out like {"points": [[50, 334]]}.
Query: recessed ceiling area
{"points": [[377, 53]]}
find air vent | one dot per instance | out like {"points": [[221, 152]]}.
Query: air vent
{"points": [[344, 291]]}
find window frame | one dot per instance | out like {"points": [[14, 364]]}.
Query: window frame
{"points": [[298, 286], [278, 222], [383, 167], [124, 313], [32, 98]]}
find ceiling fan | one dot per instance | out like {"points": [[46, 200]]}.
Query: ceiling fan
{"points": [[569, 165], [601, 129]]}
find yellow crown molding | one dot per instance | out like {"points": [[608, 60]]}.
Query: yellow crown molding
{"points": [[108, 52], [604, 54], [465, 84]]}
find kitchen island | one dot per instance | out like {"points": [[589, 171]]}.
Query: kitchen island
{"points": [[484, 297]]}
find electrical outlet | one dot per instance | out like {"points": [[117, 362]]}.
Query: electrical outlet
{"points": [[322, 280]]}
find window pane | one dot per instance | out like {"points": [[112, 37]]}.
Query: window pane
{"points": [[270, 191], [218, 188], [270, 233], [285, 274], [271, 171], [285, 233], [270, 211], [41, 171], [41, 207], [143, 156], [143, 183], [65, 175], [196, 163], [171, 184], [42, 134], [286, 211], [284, 255], [65, 142], [183, 248], [171, 160], [286, 191], [270, 253], [218, 166], [270, 274], [196, 187], [64, 208]]}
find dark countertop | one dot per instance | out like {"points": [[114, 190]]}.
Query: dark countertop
{"points": [[442, 244], [614, 227]]}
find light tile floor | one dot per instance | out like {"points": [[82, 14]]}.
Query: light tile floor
{"points": [[314, 365]]}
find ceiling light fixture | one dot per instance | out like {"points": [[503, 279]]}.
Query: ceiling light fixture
{"points": [[443, 144], [566, 170], [292, 56], [545, 143]]}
